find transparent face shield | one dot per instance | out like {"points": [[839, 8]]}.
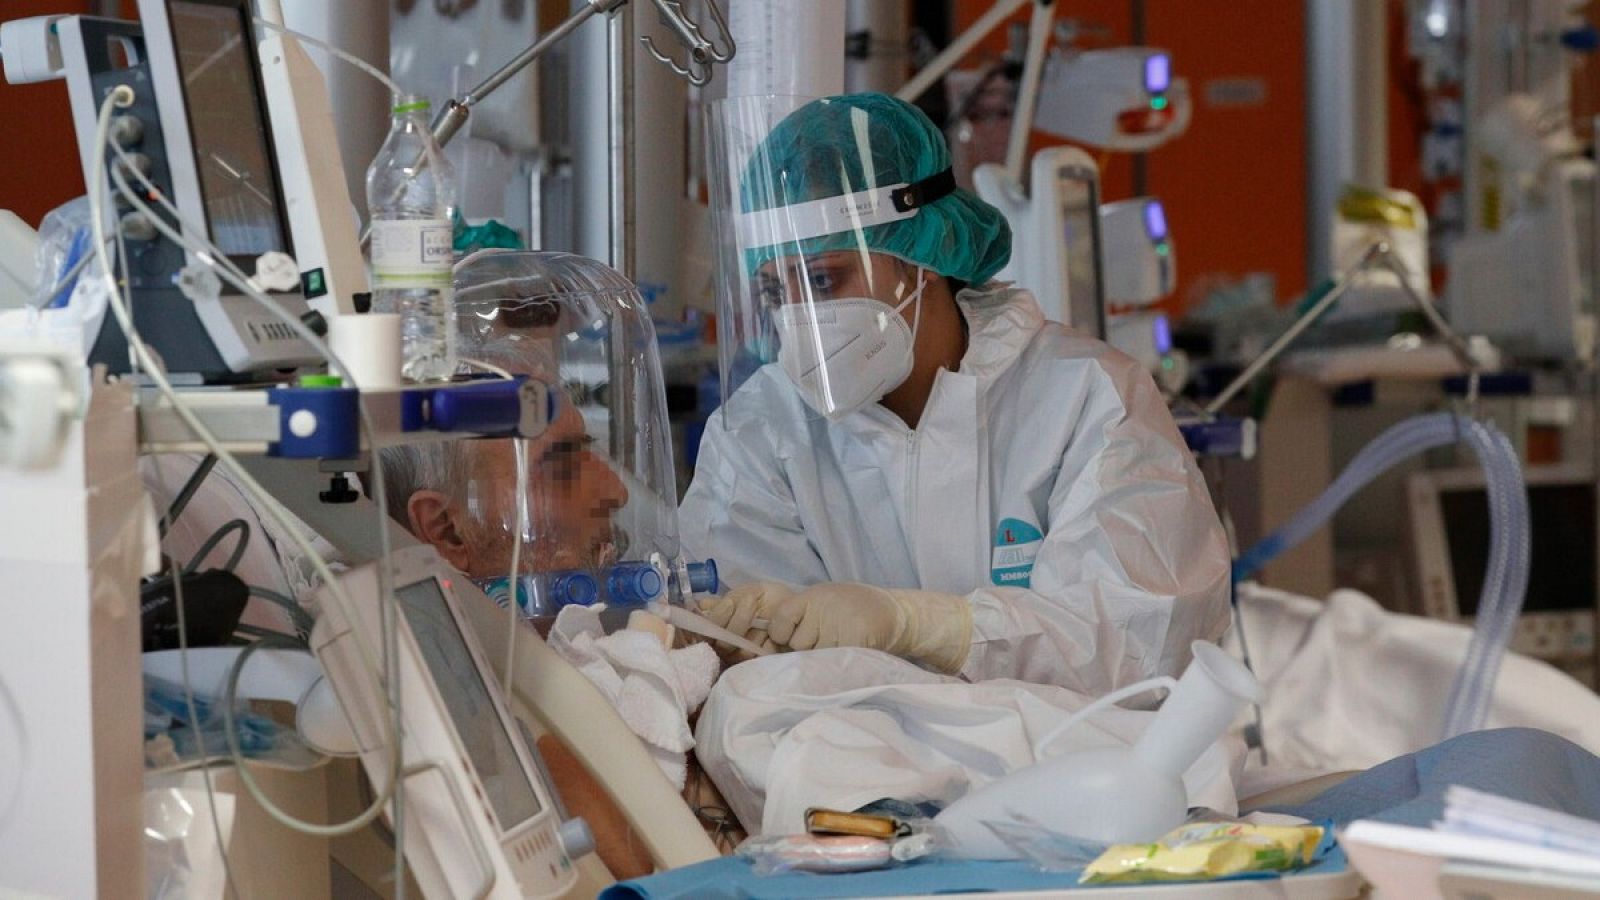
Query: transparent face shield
{"points": [[801, 284], [598, 519]]}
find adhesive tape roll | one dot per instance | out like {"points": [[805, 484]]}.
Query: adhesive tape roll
{"points": [[369, 346]]}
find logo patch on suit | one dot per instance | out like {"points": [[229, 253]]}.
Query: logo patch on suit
{"points": [[1016, 546]]}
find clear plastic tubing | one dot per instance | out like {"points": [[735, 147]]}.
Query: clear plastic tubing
{"points": [[1506, 577]]}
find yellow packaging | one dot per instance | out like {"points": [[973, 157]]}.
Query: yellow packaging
{"points": [[1205, 851]]}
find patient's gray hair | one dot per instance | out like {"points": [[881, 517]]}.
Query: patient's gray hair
{"points": [[442, 466], [446, 466]]}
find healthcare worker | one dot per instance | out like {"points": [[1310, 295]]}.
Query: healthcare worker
{"points": [[925, 465]]}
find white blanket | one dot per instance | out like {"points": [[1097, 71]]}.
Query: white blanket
{"points": [[845, 727], [653, 689], [1350, 684]]}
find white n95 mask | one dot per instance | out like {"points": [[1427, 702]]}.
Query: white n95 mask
{"points": [[844, 354]]}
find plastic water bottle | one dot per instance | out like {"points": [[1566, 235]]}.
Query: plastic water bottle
{"points": [[410, 195]]}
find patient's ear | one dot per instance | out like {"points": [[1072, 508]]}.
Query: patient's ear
{"points": [[433, 522]]}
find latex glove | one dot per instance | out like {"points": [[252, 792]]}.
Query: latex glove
{"points": [[742, 608], [923, 626]]}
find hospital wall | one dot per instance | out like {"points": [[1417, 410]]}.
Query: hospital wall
{"points": [[1234, 186], [38, 146]]}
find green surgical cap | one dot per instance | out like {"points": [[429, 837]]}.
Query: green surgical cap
{"points": [[816, 152]]}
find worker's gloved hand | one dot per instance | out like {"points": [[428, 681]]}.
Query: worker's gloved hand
{"points": [[923, 626], [745, 611]]}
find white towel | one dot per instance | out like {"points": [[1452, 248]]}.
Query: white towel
{"points": [[654, 689]]}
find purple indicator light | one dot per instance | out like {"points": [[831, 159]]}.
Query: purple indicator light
{"points": [[1155, 221], [1157, 73], [1162, 332]]}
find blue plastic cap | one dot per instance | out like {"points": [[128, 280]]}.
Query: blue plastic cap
{"points": [[574, 589], [1582, 40], [633, 584], [703, 578]]}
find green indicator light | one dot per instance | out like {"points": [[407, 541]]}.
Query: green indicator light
{"points": [[321, 381], [1163, 248], [1158, 103]]}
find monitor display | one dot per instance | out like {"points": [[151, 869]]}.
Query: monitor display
{"points": [[1561, 571], [462, 688], [1155, 221], [1080, 223], [1157, 73], [227, 126]]}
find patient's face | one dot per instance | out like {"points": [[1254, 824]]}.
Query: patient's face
{"points": [[573, 493]]}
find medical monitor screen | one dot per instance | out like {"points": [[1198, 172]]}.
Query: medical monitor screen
{"points": [[461, 686], [1561, 571], [1080, 223], [232, 146]]}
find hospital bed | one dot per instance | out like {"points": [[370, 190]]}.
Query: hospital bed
{"points": [[1303, 647]]}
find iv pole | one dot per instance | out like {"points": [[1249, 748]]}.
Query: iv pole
{"points": [[1044, 12], [703, 53]]}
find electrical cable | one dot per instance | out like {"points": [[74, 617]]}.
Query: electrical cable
{"points": [[187, 492], [257, 631], [491, 368], [240, 474], [122, 95], [1217, 477], [391, 796], [66, 279], [273, 509], [16, 734], [133, 336], [388, 609], [519, 446], [199, 736], [297, 614], [343, 55], [216, 537]]}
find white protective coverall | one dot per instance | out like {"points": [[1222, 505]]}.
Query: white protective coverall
{"points": [[1046, 483]]}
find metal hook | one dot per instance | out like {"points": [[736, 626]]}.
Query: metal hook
{"points": [[702, 53], [724, 34]]}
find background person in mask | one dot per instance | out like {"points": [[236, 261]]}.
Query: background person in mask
{"points": [[929, 468]]}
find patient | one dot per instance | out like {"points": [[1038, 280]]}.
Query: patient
{"points": [[460, 497]]}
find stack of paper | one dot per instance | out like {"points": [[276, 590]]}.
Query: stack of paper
{"points": [[1511, 841], [1467, 811]]}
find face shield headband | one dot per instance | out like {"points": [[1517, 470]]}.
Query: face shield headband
{"points": [[841, 214]]}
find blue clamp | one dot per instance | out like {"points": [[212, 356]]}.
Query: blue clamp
{"points": [[1583, 39], [316, 423], [521, 407], [1222, 437]]}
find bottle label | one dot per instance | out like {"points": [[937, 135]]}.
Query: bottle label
{"points": [[411, 253]]}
